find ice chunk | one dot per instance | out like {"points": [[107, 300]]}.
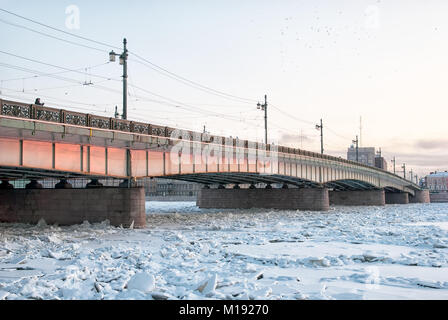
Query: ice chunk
{"points": [[143, 282], [208, 286], [205, 250], [3, 294], [53, 239], [160, 296], [42, 223], [261, 293], [86, 224], [18, 260]]}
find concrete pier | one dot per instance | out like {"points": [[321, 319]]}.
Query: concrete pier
{"points": [[288, 199], [397, 198], [421, 196], [73, 206], [440, 197], [358, 198]]}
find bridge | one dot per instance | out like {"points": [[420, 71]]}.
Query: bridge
{"points": [[38, 143]]}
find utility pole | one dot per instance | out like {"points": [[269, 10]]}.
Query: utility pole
{"points": [[321, 128], [394, 161], [264, 107], [360, 131], [124, 63], [380, 154], [357, 149], [404, 170], [125, 80]]}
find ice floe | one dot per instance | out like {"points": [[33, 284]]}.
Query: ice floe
{"points": [[390, 252]]}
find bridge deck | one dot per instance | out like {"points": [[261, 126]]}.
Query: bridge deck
{"points": [[38, 142]]}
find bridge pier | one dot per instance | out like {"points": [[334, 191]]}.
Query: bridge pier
{"points": [[63, 184], [358, 198], [5, 185], [288, 199], [94, 183], [74, 206], [34, 184], [421, 196], [397, 198]]}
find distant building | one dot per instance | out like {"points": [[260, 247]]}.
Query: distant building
{"points": [[381, 163], [437, 181], [164, 189], [365, 155]]}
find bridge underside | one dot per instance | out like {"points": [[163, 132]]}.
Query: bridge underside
{"points": [[216, 178], [224, 178]]}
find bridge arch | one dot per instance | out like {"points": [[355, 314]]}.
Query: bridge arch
{"points": [[226, 178], [350, 185]]}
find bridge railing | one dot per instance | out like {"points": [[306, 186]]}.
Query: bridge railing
{"points": [[37, 112]]}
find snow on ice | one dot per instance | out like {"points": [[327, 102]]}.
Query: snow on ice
{"points": [[390, 252]]}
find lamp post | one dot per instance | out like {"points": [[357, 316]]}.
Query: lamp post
{"points": [[394, 161], [404, 170], [264, 107], [357, 149], [124, 62], [321, 128]]}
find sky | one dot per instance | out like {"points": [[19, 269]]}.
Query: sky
{"points": [[379, 65]]}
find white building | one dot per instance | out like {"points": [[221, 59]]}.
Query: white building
{"points": [[437, 181]]}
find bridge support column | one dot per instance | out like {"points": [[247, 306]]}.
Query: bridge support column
{"points": [[74, 206], [94, 183], [358, 198], [34, 184], [63, 184], [397, 198], [421, 196], [5, 185], [287, 199]]}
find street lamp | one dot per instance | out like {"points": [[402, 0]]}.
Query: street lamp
{"points": [[357, 149], [123, 58], [264, 107], [321, 128], [394, 161], [404, 170]]}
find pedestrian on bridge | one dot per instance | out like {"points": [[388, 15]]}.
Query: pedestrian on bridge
{"points": [[37, 102]]}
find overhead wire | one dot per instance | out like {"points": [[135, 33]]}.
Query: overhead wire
{"points": [[50, 36], [147, 63], [59, 30], [143, 61]]}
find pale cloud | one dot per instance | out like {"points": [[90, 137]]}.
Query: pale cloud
{"points": [[294, 139], [431, 144]]}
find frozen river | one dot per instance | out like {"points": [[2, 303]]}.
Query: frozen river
{"points": [[391, 252]]}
